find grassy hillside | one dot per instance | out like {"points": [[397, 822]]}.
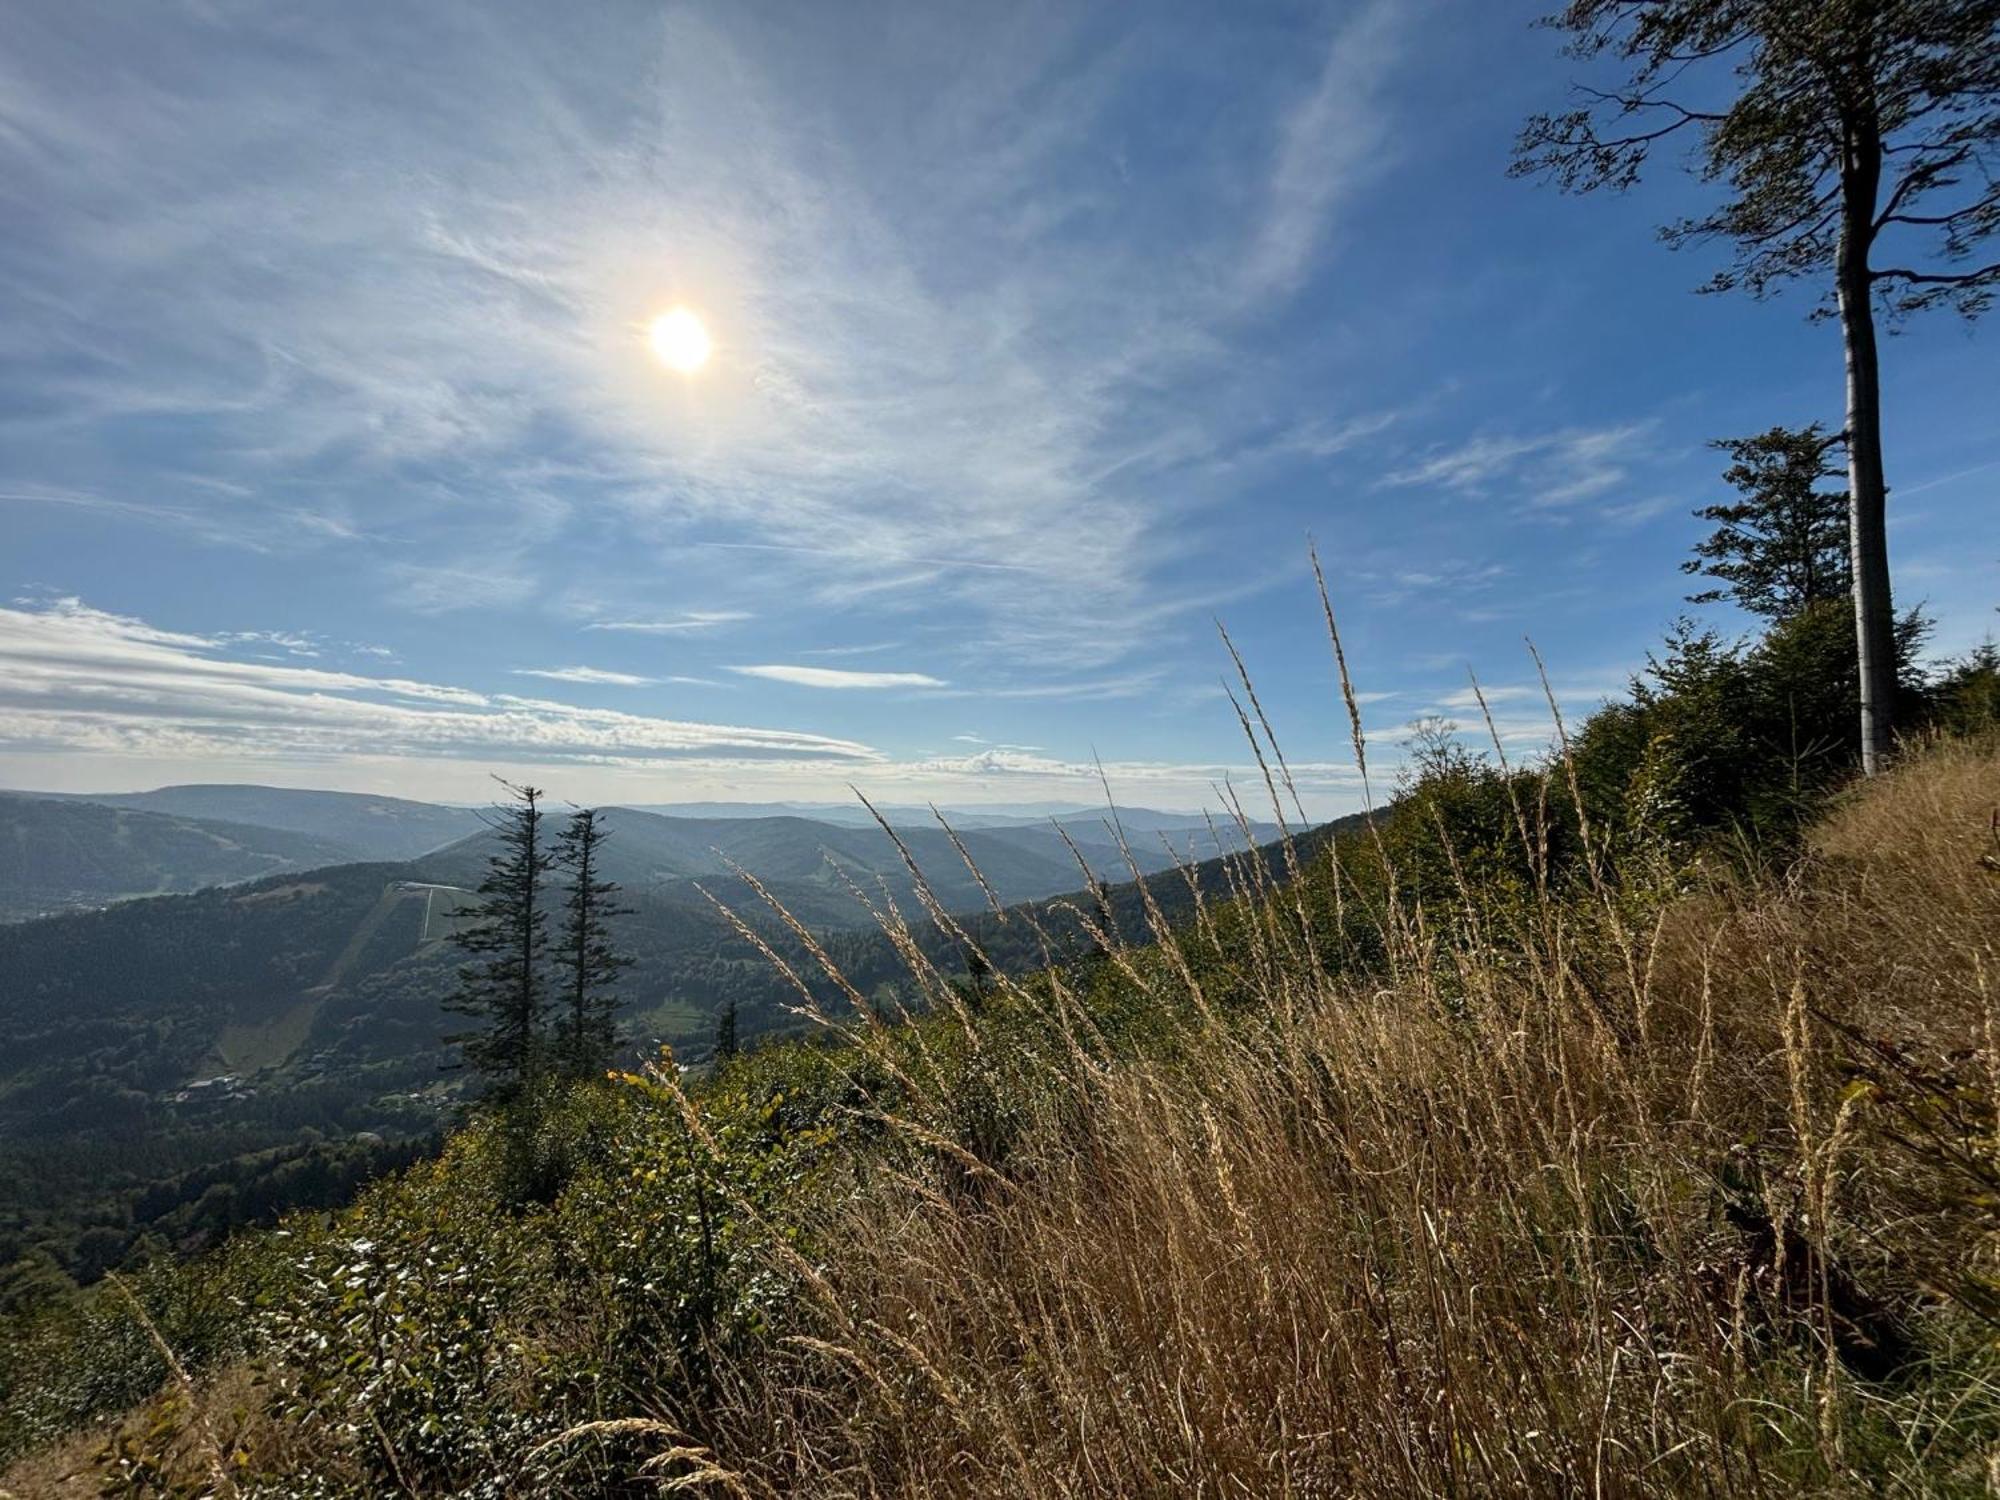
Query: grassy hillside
{"points": [[1618, 1123], [1650, 1178], [61, 855]]}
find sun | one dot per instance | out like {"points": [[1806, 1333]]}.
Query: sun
{"points": [[680, 341]]}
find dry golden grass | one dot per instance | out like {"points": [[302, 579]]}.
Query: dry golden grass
{"points": [[1646, 1213]]}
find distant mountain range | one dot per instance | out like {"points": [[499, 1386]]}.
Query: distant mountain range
{"points": [[152, 1041], [1135, 820], [60, 855], [65, 852], [817, 868], [364, 825]]}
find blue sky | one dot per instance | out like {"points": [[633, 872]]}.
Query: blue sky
{"points": [[332, 451]]}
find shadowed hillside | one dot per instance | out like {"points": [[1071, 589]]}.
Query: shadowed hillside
{"points": [[60, 855], [366, 826]]}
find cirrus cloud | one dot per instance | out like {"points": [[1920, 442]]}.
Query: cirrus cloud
{"points": [[591, 676], [836, 677], [78, 678]]}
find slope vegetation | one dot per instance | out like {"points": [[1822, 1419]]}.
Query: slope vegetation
{"points": [[1444, 1167], [146, 1047]]}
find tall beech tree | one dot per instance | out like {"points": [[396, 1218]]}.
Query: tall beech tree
{"points": [[504, 987], [1848, 133], [587, 963]]}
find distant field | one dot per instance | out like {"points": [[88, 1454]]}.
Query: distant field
{"points": [[446, 911], [247, 1047], [671, 1021]]}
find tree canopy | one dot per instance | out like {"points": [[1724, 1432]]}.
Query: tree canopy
{"points": [[1921, 77]]}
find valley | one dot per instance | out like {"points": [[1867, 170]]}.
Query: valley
{"points": [[288, 1007]]}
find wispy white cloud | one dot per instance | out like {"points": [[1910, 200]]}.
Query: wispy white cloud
{"points": [[1544, 471], [835, 677], [291, 642], [944, 357], [1322, 438], [874, 649], [1465, 698], [82, 689], [1440, 578], [77, 678], [1331, 141], [1122, 685], [690, 621], [1471, 465], [437, 590], [595, 676], [243, 521]]}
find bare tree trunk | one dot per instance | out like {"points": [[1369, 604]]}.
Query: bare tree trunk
{"points": [[1867, 526]]}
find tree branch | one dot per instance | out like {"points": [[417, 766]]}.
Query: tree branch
{"points": [[1929, 278], [1931, 220], [1920, 177], [1632, 104]]}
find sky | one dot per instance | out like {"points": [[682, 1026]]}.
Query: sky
{"points": [[334, 452]]}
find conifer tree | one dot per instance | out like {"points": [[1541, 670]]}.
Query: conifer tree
{"points": [[1783, 546], [726, 1042], [503, 987], [978, 976], [587, 962]]}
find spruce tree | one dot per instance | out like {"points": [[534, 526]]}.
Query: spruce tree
{"points": [[1783, 547], [587, 962], [503, 987], [726, 1043], [978, 977]]}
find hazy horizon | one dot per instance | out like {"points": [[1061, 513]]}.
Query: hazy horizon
{"points": [[991, 806]]}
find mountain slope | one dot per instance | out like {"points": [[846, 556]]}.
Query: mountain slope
{"points": [[809, 864], [1136, 820], [58, 854], [163, 1041], [368, 826]]}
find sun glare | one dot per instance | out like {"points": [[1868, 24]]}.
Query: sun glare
{"points": [[680, 341]]}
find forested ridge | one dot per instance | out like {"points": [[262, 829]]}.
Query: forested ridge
{"points": [[59, 855], [306, 1009]]}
